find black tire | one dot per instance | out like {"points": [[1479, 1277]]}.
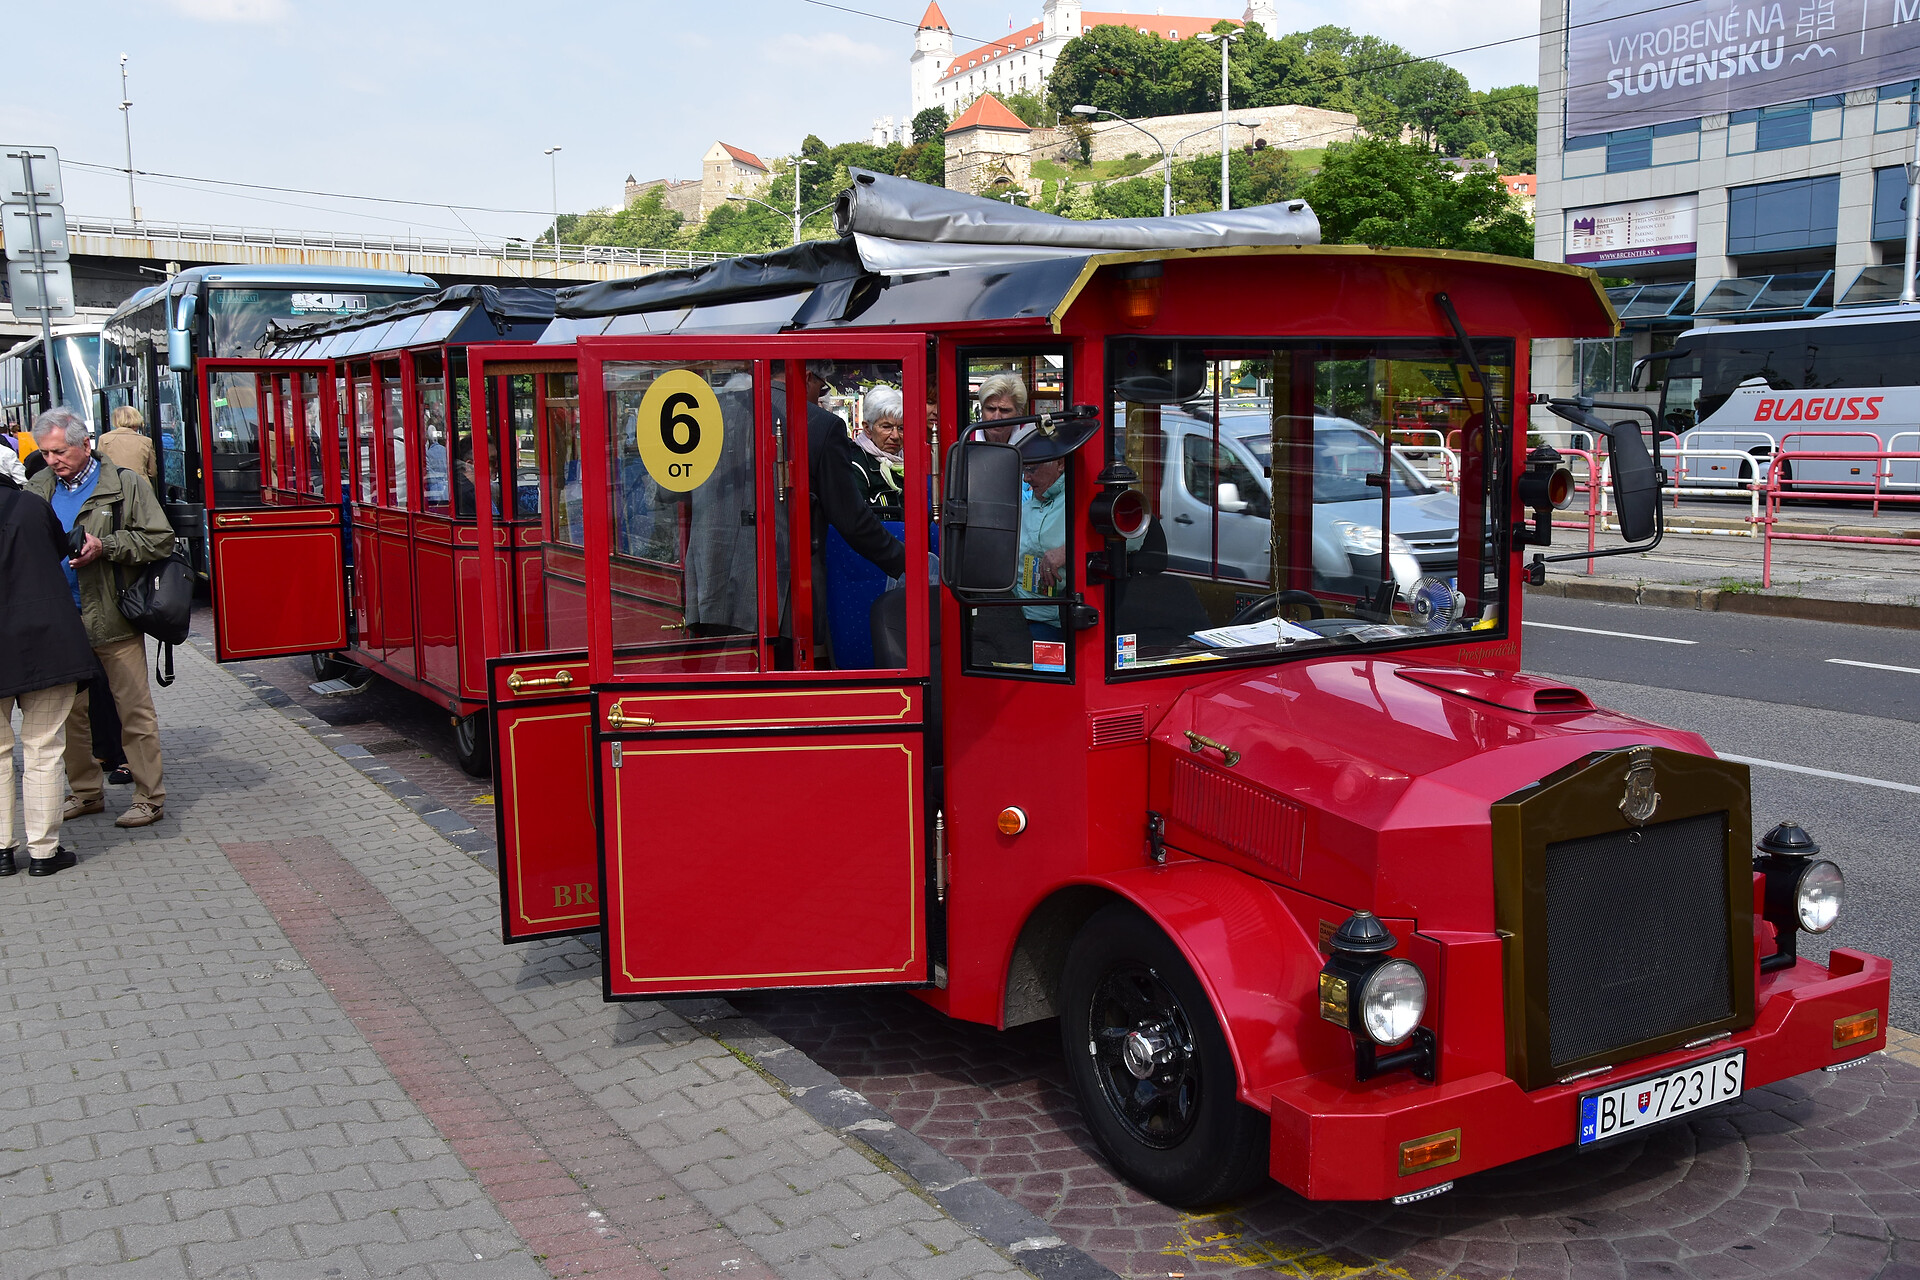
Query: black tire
{"points": [[472, 746], [1129, 1002], [332, 665]]}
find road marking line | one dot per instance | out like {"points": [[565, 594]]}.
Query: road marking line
{"points": [[1824, 773], [1594, 631], [1877, 666]]}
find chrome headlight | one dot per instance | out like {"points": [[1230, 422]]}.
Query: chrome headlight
{"points": [[1392, 1002], [1818, 895]]}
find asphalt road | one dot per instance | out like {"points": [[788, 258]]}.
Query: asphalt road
{"points": [[1772, 690]]}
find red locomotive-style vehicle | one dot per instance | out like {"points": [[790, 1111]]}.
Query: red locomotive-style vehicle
{"points": [[1210, 741]]}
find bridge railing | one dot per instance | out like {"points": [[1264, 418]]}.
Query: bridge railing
{"points": [[273, 237]]}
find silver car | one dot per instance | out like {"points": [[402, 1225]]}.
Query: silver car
{"points": [[1236, 482]]}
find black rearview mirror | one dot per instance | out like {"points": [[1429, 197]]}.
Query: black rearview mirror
{"points": [[1636, 481], [980, 518]]}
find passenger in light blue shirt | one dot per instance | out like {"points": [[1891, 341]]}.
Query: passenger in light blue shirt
{"points": [[1043, 545]]}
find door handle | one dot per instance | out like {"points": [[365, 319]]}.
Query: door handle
{"points": [[620, 720], [520, 684], [1183, 519], [233, 519]]}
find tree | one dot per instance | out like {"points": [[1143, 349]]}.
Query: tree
{"points": [[1032, 109], [929, 125], [1382, 192], [924, 162]]}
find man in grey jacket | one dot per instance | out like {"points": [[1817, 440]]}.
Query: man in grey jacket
{"points": [[123, 527]]}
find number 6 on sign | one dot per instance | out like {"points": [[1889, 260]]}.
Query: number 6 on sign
{"points": [[679, 430]]}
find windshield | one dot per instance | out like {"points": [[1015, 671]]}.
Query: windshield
{"points": [[1704, 369], [1287, 512], [237, 318]]}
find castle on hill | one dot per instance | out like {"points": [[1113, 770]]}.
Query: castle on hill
{"points": [[1019, 62]]}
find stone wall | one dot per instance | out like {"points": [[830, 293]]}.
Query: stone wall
{"points": [[1289, 128]]}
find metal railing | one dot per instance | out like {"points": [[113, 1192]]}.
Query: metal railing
{"points": [[1830, 491], [279, 238]]}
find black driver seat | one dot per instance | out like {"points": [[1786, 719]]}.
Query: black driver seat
{"points": [[1159, 608]]}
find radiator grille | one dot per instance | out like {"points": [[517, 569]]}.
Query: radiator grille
{"points": [[1636, 935], [1243, 819]]}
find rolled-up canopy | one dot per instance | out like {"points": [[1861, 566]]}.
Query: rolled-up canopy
{"points": [[878, 207]]}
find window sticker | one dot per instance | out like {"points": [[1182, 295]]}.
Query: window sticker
{"points": [[1126, 651], [1050, 655], [679, 431]]}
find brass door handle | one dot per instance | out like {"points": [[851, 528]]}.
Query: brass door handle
{"points": [[620, 720], [233, 519], [520, 684], [1199, 743]]}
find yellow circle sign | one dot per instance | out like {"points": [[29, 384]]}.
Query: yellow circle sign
{"points": [[679, 430]]}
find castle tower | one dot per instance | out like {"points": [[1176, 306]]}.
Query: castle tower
{"points": [[1059, 22], [1264, 13], [932, 52]]}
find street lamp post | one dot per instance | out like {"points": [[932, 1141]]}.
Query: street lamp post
{"points": [[796, 215], [126, 118], [1166, 160], [1244, 124], [1224, 39], [553, 174], [1913, 220]]}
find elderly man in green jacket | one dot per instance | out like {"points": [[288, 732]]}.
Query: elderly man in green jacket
{"points": [[122, 527]]}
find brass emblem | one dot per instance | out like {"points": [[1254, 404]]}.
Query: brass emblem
{"points": [[1640, 799]]}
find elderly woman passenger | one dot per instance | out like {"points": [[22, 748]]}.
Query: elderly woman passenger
{"points": [[1002, 395], [876, 455]]}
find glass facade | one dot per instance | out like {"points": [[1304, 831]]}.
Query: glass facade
{"points": [[1773, 217]]}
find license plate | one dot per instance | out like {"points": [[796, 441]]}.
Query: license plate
{"points": [[1611, 1112]]}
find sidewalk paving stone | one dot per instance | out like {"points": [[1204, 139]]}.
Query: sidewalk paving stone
{"points": [[240, 1032]]}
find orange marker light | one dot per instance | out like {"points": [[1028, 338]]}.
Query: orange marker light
{"points": [[1429, 1152], [1012, 820], [1855, 1028]]}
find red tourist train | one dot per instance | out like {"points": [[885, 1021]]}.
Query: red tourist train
{"points": [[1181, 709]]}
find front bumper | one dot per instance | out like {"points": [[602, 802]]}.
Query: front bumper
{"points": [[1335, 1141]]}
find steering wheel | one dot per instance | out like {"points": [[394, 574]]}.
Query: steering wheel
{"points": [[1268, 605]]}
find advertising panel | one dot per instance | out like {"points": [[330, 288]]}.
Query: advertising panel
{"points": [[1639, 231], [1641, 62]]}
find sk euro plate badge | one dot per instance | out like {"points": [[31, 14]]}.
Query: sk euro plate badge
{"points": [[1640, 800]]}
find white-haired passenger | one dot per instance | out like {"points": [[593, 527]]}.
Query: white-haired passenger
{"points": [[876, 456], [1002, 395]]}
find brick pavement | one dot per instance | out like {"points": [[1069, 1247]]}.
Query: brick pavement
{"points": [[1818, 1176], [240, 1065]]}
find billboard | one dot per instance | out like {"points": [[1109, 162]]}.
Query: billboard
{"points": [[1641, 62], [1639, 231]]}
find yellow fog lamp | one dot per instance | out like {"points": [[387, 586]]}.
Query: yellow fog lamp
{"points": [[1418, 1155], [1803, 892], [1378, 999]]}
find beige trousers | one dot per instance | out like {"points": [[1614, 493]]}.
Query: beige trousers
{"points": [[43, 727], [126, 666]]}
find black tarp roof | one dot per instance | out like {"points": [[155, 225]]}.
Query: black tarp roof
{"points": [[504, 307]]}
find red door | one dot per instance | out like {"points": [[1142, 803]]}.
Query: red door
{"points": [[761, 809], [278, 570]]}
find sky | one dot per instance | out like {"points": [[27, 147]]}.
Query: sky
{"points": [[453, 104]]}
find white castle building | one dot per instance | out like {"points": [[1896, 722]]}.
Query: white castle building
{"points": [[1019, 63]]}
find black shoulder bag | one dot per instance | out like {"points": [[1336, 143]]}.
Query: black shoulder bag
{"points": [[158, 602]]}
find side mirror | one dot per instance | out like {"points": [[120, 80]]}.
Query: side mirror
{"points": [[1229, 499], [980, 518], [1636, 484], [180, 335]]}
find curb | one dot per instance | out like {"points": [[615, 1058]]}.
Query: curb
{"points": [[1713, 600]]}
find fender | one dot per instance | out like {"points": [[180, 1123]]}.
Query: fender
{"points": [[1258, 961]]}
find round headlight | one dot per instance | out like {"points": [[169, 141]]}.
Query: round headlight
{"points": [[1392, 1001], [1817, 896]]}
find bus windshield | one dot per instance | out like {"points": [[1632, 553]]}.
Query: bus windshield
{"points": [[1285, 517], [77, 356], [1703, 369], [237, 317]]}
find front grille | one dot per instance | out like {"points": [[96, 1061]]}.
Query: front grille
{"points": [[1637, 940]]}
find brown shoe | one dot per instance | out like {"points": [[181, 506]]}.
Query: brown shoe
{"points": [[141, 813], [78, 808]]}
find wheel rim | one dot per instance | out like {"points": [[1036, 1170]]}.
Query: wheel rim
{"points": [[1144, 1055]]}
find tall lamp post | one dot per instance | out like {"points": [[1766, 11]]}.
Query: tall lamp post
{"points": [[1166, 160], [1244, 124], [1913, 214], [553, 175], [126, 119], [797, 216], [1224, 39]]}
